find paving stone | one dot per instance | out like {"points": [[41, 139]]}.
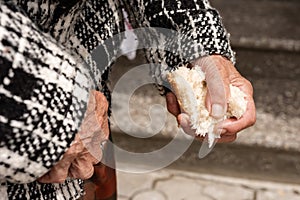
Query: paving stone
{"points": [[129, 184], [122, 197], [170, 184], [150, 194], [227, 192], [182, 188], [278, 195], [252, 184]]}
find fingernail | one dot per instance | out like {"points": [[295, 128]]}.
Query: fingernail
{"points": [[221, 131], [217, 111]]}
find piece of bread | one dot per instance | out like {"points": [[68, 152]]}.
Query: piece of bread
{"points": [[190, 89]]}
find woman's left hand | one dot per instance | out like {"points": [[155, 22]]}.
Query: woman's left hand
{"points": [[219, 73]]}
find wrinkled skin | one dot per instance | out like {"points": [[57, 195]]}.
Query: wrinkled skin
{"points": [[85, 151], [77, 162], [219, 73]]}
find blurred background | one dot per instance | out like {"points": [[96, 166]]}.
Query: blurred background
{"points": [[264, 162]]}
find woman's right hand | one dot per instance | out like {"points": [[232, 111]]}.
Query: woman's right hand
{"points": [[77, 162], [85, 151]]}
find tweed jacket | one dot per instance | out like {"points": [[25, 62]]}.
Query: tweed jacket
{"points": [[45, 56]]}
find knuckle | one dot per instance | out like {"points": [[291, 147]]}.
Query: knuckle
{"points": [[234, 137], [83, 170], [88, 174], [252, 121], [249, 85]]}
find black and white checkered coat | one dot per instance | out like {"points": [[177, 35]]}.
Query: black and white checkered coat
{"points": [[45, 74]]}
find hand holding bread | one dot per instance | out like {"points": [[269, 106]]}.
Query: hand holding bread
{"points": [[213, 92]]}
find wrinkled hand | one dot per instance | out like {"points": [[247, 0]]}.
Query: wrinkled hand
{"points": [[77, 162], [85, 151], [219, 73]]}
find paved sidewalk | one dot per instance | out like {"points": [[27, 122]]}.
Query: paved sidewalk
{"points": [[169, 184]]}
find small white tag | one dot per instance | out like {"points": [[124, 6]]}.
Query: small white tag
{"points": [[130, 42]]}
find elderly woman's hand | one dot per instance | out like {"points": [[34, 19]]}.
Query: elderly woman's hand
{"points": [[85, 150], [219, 73], [77, 162]]}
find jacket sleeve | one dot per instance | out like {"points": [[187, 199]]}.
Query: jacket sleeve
{"points": [[196, 21], [192, 28], [41, 100]]}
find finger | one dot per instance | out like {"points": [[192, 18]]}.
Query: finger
{"points": [[82, 167], [172, 104], [227, 138], [90, 157], [185, 124], [55, 175], [217, 80], [219, 131], [217, 95], [233, 125], [58, 172]]}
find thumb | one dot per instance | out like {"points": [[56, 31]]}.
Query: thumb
{"points": [[217, 81]]}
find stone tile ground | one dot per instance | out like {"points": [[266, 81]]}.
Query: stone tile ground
{"points": [[169, 184]]}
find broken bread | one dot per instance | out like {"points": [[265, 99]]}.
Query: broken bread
{"points": [[189, 86]]}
